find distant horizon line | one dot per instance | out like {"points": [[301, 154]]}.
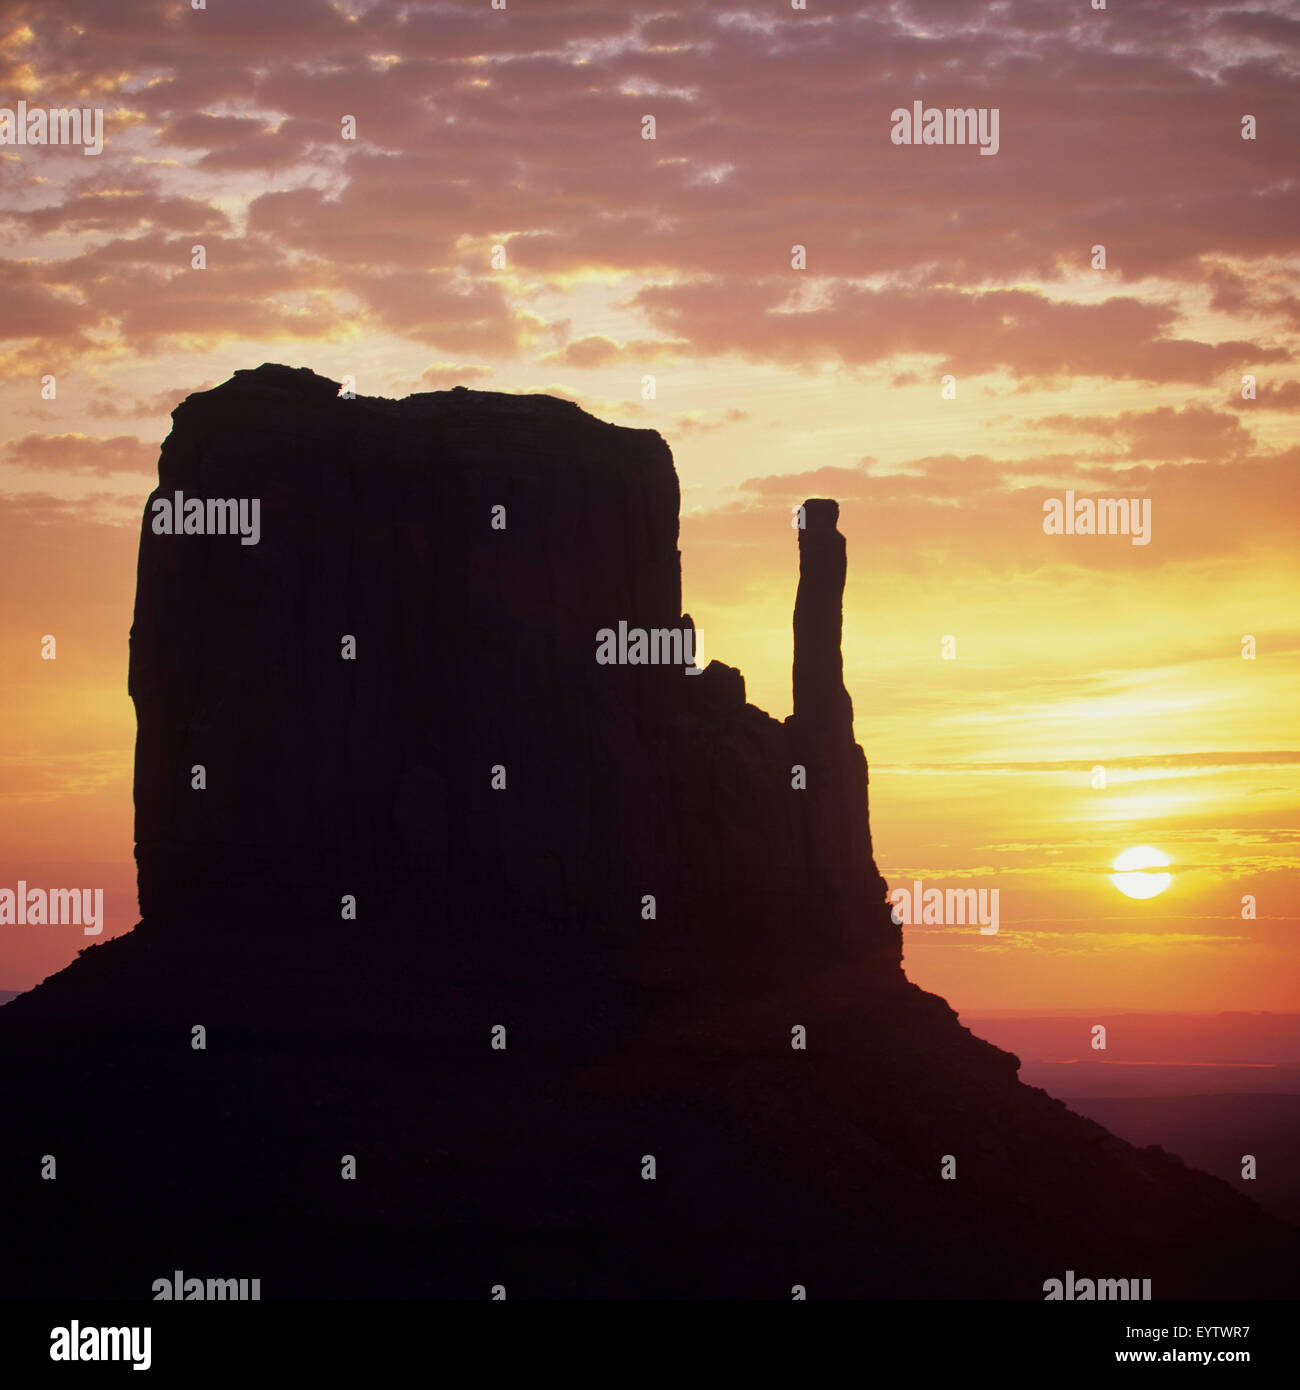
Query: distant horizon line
{"points": [[1075, 1011], [1082, 1010]]}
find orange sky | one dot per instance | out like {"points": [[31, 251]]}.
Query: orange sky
{"points": [[625, 258]]}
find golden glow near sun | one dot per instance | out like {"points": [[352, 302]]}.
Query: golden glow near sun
{"points": [[1132, 876]]}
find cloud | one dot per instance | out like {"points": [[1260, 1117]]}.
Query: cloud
{"points": [[121, 206], [599, 351], [107, 406], [1172, 762], [990, 511], [1270, 395], [1194, 432], [238, 142], [79, 453], [701, 420], [441, 376], [1023, 332], [478, 128]]}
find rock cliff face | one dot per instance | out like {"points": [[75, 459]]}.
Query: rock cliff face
{"points": [[503, 1032], [473, 771]]}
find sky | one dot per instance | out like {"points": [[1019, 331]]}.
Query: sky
{"points": [[923, 331]]}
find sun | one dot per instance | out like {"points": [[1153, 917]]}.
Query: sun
{"points": [[1130, 875]]}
